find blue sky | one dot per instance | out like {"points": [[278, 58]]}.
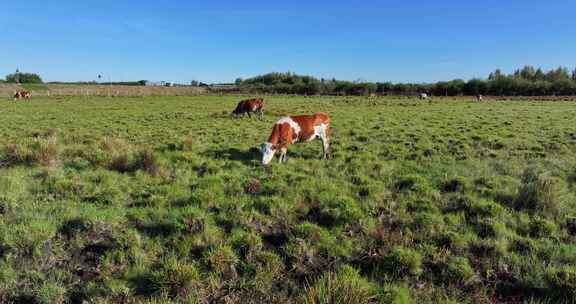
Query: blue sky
{"points": [[399, 41]]}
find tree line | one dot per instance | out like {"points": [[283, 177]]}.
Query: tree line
{"points": [[19, 77], [528, 81]]}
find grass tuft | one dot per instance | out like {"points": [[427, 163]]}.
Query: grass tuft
{"points": [[539, 193], [344, 286], [42, 151], [403, 262]]}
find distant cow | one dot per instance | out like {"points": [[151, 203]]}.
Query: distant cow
{"points": [[294, 129], [254, 105], [479, 98], [22, 94], [424, 96]]}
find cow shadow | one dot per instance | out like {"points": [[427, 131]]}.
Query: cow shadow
{"points": [[247, 157]]}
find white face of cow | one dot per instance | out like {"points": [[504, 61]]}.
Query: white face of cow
{"points": [[268, 152]]}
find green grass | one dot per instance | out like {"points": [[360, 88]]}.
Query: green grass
{"points": [[163, 200]]}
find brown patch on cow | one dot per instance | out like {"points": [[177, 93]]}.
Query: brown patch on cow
{"points": [[284, 135], [22, 94]]}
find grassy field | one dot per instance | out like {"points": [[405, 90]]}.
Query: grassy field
{"points": [[162, 199], [96, 90]]}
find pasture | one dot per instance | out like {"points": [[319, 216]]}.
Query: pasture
{"points": [[164, 200]]}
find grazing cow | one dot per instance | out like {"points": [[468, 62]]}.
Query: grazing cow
{"points": [[479, 98], [424, 96], [254, 105], [22, 94], [293, 129]]}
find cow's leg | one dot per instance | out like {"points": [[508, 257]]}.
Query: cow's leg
{"points": [[325, 138], [325, 147], [249, 115], [283, 157]]}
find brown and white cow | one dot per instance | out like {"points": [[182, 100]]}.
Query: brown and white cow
{"points": [[254, 105], [479, 98], [22, 94], [294, 129]]}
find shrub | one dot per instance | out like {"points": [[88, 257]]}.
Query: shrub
{"points": [[344, 286]]}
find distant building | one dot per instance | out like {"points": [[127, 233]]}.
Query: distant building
{"points": [[158, 84]]}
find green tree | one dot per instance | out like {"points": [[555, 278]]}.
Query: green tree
{"points": [[525, 81], [19, 77], [475, 87]]}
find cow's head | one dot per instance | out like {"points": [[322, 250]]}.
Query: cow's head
{"points": [[268, 150]]}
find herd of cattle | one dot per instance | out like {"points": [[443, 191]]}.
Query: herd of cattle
{"points": [[424, 96], [294, 129], [286, 131]]}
